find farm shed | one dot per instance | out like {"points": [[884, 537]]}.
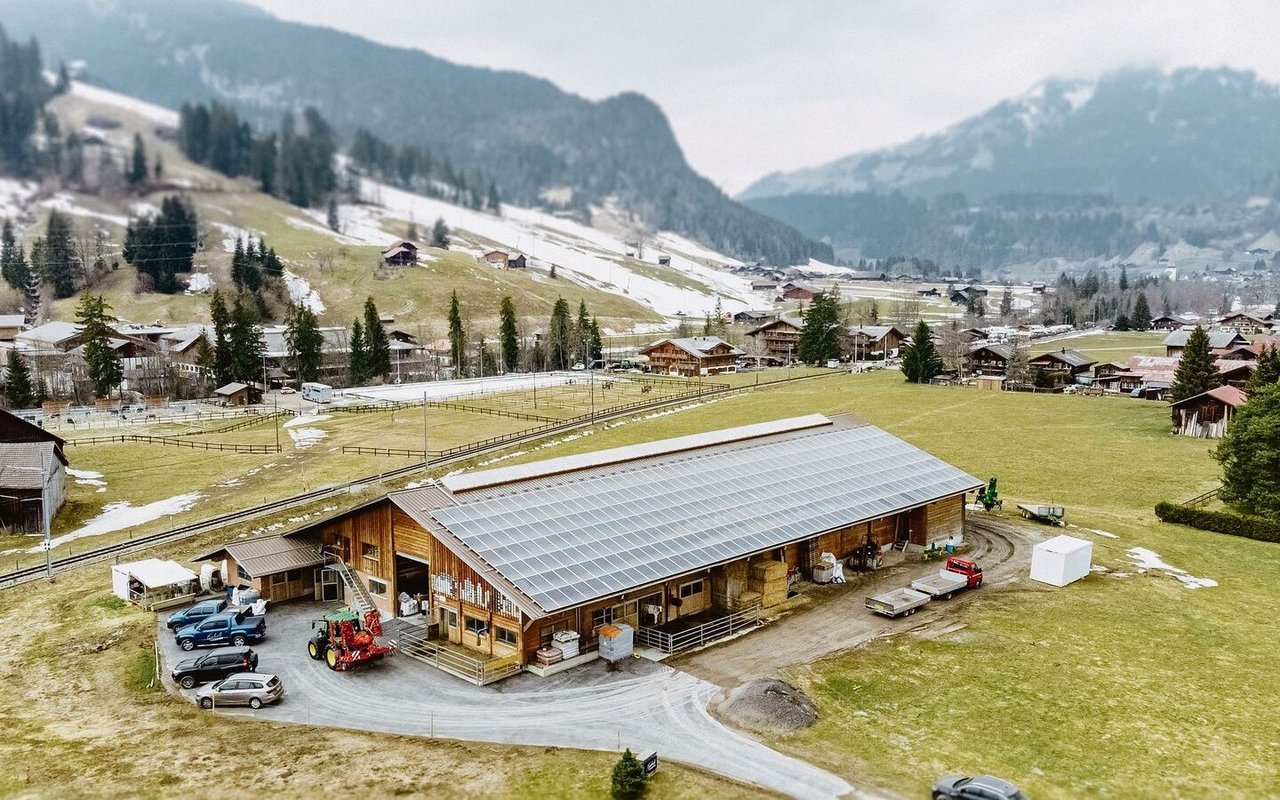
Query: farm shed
{"points": [[153, 583], [1207, 415], [238, 394], [1061, 560], [279, 567], [401, 254], [668, 537], [991, 383], [33, 474]]}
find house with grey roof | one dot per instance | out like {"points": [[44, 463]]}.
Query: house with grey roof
{"points": [[692, 356], [33, 474], [1176, 341]]}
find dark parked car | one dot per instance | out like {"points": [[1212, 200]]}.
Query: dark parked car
{"points": [[196, 613], [214, 666], [983, 787]]}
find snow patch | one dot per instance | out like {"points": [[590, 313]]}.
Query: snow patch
{"points": [[149, 111], [86, 477], [306, 437], [300, 292], [1107, 534], [442, 390], [200, 283], [305, 419], [1145, 559], [121, 515], [66, 203]]}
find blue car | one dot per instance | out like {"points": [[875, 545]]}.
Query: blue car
{"points": [[197, 613], [229, 627]]}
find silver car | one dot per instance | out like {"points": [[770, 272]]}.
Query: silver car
{"points": [[252, 689]]}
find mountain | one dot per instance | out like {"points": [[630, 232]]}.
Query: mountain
{"points": [[1186, 136], [1071, 169], [537, 139]]}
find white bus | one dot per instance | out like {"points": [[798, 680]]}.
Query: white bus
{"points": [[317, 392]]}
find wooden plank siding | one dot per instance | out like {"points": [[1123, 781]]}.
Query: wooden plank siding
{"points": [[945, 518]]}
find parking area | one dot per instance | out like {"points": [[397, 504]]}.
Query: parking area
{"points": [[642, 705]]}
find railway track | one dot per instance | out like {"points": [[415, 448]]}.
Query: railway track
{"points": [[35, 572]]}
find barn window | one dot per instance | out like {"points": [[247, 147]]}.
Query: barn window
{"points": [[690, 589], [293, 575], [369, 551], [279, 578], [477, 626], [449, 618], [378, 587], [242, 575], [507, 636]]}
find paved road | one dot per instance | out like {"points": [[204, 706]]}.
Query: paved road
{"points": [[642, 706], [837, 620]]}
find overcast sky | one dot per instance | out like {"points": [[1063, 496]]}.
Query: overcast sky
{"points": [[754, 86]]}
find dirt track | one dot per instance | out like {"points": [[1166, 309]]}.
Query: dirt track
{"points": [[828, 619]]}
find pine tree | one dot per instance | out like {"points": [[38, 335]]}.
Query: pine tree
{"points": [[1124, 278], [457, 337], [305, 342], [493, 203], [595, 347], [582, 334], [920, 359], [206, 355], [245, 343], [1267, 371], [102, 365], [57, 265], [1250, 456], [221, 339], [628, 778], [18, 391], [508, 337], [718, 327], [1197, 371], [13, 264], [158, 169], [331, 216], [1018, 370], [559, 336], [553, 272], [358, 362], [1006, 303], [137, 173], [440, 234], [1140, 320], [376, 343], [820, 338]]}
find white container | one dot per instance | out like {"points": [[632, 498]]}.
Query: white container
{"points": [[619, 645], [1061, 560]]}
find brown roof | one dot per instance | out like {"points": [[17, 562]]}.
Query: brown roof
{"points": [[1228, 395], [27, 465], [270, 555]]}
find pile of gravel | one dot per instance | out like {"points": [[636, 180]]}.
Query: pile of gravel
{"points": [[769, 705]]}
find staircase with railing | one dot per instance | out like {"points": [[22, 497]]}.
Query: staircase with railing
{"points": [[363, 600]]}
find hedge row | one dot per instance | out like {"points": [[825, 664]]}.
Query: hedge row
{"points": [[1227, 522]]}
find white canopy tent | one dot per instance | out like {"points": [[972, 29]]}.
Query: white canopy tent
{"points": [[153, 582]]}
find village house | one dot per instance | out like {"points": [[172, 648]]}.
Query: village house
{"points": [[502, 567], [11, 325], [517, 261], [1067, 362], [33, 475], [692, 356], [1171, 323], [971, 335], [989, 359], [764, 286], [400, 254], [753, 317], [777, 341], [1208, 414], [1038, 287], [928, 291], [799, 291], [496, 258], [1218, 340], [1244, 323], [871, 341]]}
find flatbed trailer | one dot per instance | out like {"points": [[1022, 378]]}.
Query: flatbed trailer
{"points": [[942, 584], [1043, 512], [897, 603]]}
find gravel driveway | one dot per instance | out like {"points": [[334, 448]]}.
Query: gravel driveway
{"points": [[644, 706]]}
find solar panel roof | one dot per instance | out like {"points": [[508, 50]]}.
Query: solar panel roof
{"points": [[570, 543]]}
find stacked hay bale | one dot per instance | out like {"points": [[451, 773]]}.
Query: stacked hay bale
{"points": [[727, 583], [769, 578]]}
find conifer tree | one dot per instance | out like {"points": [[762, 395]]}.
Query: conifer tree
{"points": [[582, 334], [628, 778], [13, 264], [57, 264], [331, 216], [1267, 371], [206, 355], [376, 342], [820, 338], [137, 173], [595, 347], [440, 234], [1018, 370], [1006, 303], [18, 391], [305, 342], [920, 359], [102, 365], [508, 340], [221, 339], [560, 336], [1250, 456], [457, 337], [358, 362], [1197, 370], [1140, 319], [246, 344]]}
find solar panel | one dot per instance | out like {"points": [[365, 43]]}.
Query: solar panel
{"points": [[573, 542]]}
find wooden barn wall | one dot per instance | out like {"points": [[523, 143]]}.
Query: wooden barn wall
{"points": [[410, 537], [946, 518]]}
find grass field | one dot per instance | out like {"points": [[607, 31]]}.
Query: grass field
{"points": [[1129, 686], [1109, 346]]}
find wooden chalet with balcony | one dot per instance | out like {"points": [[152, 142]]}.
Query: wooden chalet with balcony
{"points": [[777, 341], [692, 356]]}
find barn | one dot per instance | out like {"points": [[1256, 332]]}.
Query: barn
{"points": [[665, 536], [33, 474], [1207, 414]]}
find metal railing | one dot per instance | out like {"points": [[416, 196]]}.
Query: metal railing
{"points": [[706, 633], [480, 671], [364, 600], [1202, 499]]}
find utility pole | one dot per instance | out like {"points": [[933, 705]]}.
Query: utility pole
{"points": [[44, 517], [425, 457]]}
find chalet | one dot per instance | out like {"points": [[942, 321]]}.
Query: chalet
{"points": [[753, 317], [962, 297], [517, 261], [239, 394], [1236, 373], [798, 291], [990, 359], [51, 337], [764, 286], [400, 254], [33, 474], [1104, 369], [777, 340], [692, 356], [496, 258], [930, 291], [973, 290], [654, 535], [11, 325], [871, 341], [1171, 323], [1218, 340], [664, 261], [1038, 287], [1069, 362], [1244, 323], [971, 335], [1208, 414], [1122, 381]]}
